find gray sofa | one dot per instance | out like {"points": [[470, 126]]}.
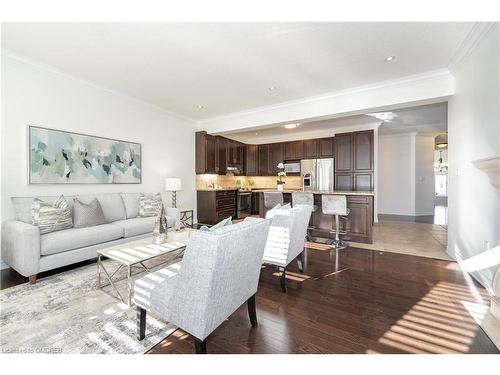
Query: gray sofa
{"points": [[29, 253]]}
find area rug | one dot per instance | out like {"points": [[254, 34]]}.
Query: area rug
{"points": [[66, 313]]}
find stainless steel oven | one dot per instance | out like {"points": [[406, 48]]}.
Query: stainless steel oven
{"points": [[244, 204]]}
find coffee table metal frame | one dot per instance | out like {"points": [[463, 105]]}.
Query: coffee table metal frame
{"points": [[130, 265]]}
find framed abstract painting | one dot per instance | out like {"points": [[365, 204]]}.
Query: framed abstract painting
{"points": [[61, 157]]}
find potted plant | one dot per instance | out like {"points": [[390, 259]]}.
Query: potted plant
{"points": [[281, 174]]}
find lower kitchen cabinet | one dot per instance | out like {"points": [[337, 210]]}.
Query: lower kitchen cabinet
{"points": [[213, 206]]}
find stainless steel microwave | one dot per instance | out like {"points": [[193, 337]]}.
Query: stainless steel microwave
{"points": [[293, 167]]}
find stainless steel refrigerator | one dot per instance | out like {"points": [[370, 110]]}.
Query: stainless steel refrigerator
{"points": [[317, 174]]}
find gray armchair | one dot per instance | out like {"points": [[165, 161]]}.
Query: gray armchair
{"points": [[286, 239], [218, 273]]}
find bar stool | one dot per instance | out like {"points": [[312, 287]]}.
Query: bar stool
{"points": [[271, 199], [335, 205], [305, 199]]}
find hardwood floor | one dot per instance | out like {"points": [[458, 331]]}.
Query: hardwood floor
{"points": [[356, 301], [353, 301]]}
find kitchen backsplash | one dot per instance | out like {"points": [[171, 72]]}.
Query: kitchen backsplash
{"points": [[206, 181]]}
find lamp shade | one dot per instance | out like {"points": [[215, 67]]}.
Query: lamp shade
{"points": [[173, 184]]}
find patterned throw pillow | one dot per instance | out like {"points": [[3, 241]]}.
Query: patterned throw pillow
{"points": [[51, 217], [149, 204], [87, 215]]}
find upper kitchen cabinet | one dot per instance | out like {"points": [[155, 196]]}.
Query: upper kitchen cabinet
{"points": [[264, 160], [206, 150], [221, 152], [293, 150], [363, 150], [310, 148], [252, 160], [354, 161], [343, 152], [275, 157], [325, 148]]}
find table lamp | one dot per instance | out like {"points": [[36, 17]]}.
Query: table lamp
{"points": [[173, 185]]}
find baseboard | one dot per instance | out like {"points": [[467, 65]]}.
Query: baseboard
{"points": [[410, 218]]}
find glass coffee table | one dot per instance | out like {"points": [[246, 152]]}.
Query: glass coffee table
{"points": [[135, 254]]}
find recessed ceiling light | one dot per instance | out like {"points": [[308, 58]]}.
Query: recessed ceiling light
{"points": [[199, 106], [272, 88], [290, 126], [389, 58]]}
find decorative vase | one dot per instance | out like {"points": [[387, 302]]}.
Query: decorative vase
{"points": [[279, 187], [160, 229]]}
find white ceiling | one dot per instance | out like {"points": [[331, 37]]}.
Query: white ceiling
{"points": [[423, 120], [228, 67]]}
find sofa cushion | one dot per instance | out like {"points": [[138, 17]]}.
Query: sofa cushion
{"points": [[136, 226], [112, 205], [75, 238], [131, 202], [141, 225]]}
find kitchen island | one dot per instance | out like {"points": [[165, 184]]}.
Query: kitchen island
{"points": [[359, 226]]}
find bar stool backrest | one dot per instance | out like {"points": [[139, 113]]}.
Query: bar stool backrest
{"points": [[334, 204], [272, 198], [302, 199]]}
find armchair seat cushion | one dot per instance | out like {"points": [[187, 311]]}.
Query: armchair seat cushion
{"points": [[154, 291], [75, 238]]}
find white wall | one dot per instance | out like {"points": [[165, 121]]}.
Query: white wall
{"points": [[396, 174], [37, 95], [424, 175], [405, 174], [474, 133]]}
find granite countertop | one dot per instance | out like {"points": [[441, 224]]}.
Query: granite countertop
{"points": [[218, 189], [335, 192]]}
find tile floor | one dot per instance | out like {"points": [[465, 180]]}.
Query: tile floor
{"points": [[426, 240]]}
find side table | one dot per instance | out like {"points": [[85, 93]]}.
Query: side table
{"points": [[187, 217]]}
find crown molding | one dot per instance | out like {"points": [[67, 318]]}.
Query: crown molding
{"points": [[41, 66], [475, 35]]}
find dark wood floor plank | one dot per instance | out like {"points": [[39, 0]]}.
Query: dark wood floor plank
{"points": [[351, 301], [370, 302]]}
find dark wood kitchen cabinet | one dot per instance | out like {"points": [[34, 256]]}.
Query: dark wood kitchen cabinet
{"points": [[325, 148], [359, 223], [293, 150], [221, 160], [256, 197], [215, 205], [353, 153], [363, 151], [343, 152], [354, 161], [310, 148], [275, 157], [264, 160], [235, 152], [252, 160], [205, 146]]}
